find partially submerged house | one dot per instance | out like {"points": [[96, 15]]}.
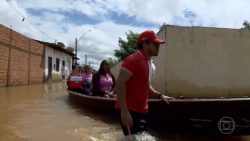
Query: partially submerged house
{"points": [[58, 61], [26, 61]]}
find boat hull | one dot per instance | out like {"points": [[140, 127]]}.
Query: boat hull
{"points": [[208, 115]]}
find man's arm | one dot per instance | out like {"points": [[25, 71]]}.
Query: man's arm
{"points": [[120, 88], [153, 91], [158, 95]]}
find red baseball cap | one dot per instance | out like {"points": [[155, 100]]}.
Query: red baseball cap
{"points": [[149, 34]]}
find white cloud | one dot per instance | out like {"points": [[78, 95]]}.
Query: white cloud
{"points": [[88, 7], [13, 19], [223, 13], [103, 39], [101, 42]]}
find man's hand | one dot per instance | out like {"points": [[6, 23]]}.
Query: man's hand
{"points": [[126, 118], [165, 98], [162, 97]]}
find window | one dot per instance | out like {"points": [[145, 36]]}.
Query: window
{"points": [[63, 63], [57, 64]]}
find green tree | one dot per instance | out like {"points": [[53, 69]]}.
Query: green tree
{"points": [[246, 25], [112, 62], [127, 47]]}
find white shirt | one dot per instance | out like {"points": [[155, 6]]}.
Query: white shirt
{"points": [[152, 70]]}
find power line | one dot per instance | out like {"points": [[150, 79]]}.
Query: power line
{"points": [[66, 14], [25, 19]]}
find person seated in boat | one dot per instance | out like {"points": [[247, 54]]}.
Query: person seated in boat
{"points": [[87, 80], [75, 81], [103, 81]]}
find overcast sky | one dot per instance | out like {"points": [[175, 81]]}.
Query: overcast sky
{"points": [[64, 20]]}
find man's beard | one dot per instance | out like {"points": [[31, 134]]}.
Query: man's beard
{"points": [[153, 53]]}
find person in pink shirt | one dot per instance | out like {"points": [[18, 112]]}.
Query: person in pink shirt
{"points": [[87, 80], [103, 81]]}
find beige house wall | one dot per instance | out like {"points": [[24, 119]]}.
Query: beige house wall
{"points": [[203, 61]]}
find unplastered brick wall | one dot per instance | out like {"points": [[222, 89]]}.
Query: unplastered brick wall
{"points": [[18, 67], [5, 34], [36, 47], [21, 59], [4, 54], [36, 69], [19, 41], [4, 51]]}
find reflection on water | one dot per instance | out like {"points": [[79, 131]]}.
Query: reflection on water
{"points": [[44, 113]]}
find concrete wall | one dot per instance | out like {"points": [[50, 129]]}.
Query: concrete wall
{"points": [[204, 61], [21, 59], [160, 83], [57, 75]]}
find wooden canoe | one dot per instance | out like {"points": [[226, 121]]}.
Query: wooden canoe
{"points": [[216, 115]]}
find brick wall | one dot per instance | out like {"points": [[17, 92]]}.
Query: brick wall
{"points": [[36, 62], [4, 34], [4, 52], [36, 47], [19, 41], [25, 65], [36, 69], [18, 67]]}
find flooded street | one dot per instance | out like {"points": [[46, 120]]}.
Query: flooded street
{"points": [[44, 113]]}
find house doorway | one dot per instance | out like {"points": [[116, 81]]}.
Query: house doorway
{"points": [[63, 69], [49, 68]]}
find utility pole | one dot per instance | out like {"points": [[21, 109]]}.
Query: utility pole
{"points": [[76, 43], [86, 59], [76, 51]]}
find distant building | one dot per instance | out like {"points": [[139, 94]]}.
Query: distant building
{"points": [[26, 61], [58, 61]]}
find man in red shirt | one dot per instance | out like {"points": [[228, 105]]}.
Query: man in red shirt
{"points": [[133, 84]]}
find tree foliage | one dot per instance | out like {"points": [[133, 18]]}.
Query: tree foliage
{"points": [[128, 46], [112, 61], [246, 25]]}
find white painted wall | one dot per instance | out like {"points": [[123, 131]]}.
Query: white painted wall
{"points": [[203, 61], [50, 52]]}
